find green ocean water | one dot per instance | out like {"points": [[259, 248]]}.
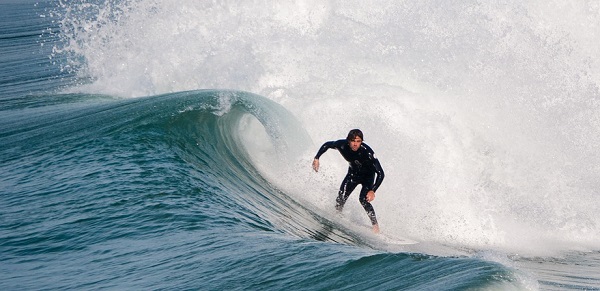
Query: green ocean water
{"points": [[138, 194]]}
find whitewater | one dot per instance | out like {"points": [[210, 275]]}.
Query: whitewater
{"points": [[150, 144]]}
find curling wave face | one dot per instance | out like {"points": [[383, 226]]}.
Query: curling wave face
{"points": [[103, 180]]}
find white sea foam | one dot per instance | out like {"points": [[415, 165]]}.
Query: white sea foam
{"points": [[485, 116]]}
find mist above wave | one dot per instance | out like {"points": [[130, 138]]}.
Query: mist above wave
{"points": [[485, 115]]}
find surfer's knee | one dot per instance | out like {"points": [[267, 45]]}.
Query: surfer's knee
{"points": [[363, 201]]}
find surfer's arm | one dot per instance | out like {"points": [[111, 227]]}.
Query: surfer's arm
{"points": [[380, 174], [378, 180], [322, 150]]}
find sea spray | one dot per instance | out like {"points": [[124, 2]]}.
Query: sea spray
{"points": [[485, 115]]}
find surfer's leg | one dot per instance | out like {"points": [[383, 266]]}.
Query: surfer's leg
{"points": [[367, 206], [345, 189]]}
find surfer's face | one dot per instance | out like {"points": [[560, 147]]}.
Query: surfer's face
{"points": [[355, 143]]}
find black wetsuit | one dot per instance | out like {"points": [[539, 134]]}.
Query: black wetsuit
{"points": [[363, 166]]}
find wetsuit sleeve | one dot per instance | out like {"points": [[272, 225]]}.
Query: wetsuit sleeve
{"points": [[380, 174], [324, 148]]}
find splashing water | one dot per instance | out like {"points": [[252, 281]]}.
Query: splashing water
{"points": [[485, 116]]}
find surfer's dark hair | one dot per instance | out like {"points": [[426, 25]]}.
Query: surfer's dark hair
{"points": [[355, 133]]}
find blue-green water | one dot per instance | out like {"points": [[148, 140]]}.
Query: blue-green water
{"points": [[196, 183]]}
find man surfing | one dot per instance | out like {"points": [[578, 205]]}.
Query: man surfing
{"points": [[363, 166]]}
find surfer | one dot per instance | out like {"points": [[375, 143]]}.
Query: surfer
{"points": [[363, 167]]}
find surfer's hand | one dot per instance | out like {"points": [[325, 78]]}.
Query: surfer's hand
{"points": [[316, 165], [370, 196]]}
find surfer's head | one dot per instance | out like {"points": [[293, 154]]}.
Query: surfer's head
{"points": [[355, 138], [354, 134]]}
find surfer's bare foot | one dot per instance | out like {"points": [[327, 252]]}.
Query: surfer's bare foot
{"points": [[376, 228]]}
